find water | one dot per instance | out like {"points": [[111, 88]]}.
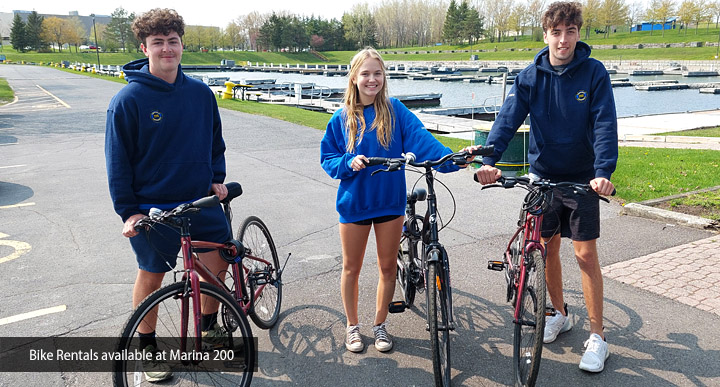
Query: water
{"points": [[628, 101]]}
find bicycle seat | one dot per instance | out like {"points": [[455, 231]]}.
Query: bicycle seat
{"points": [[234, 190], [417, 195]]}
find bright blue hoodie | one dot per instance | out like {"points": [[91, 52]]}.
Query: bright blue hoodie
{"points": [[361, 196], [163, 141], [573, 123]]}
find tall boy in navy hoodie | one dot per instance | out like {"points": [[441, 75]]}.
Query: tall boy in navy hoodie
{"points": [[573, 137]]}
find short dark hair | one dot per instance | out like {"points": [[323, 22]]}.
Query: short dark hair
{"points": [[158, 21], [562, 12]]}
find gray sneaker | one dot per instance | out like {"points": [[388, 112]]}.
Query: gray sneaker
{"points": [[353, 340], [556, 324], [155, 370], [383, 343], [596, 352]]}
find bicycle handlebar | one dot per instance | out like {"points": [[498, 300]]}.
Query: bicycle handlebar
{"points": [[512, 181], [458, 158], [157, 215]]}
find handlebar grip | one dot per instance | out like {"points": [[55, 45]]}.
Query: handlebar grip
{"points": [[207, 202], [483, 151], [374, 161]]}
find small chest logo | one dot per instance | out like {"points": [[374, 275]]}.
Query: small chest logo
{"points": [[156, 116], [581, 96]]}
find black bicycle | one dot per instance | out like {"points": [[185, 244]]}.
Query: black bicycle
{"points": [[427, 267]]}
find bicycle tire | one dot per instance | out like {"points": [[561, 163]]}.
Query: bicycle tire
{"points": [[258, 242], [438, 323], [528, 336], [166, 303]]}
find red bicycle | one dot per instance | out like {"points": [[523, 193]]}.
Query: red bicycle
{"points": [[251, 286], [524, 266]]}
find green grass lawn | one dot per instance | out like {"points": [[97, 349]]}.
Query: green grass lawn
{"points": [[6, 93], [707, 132]]}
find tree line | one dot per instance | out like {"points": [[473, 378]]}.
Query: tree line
{"points": [[391, 23]]}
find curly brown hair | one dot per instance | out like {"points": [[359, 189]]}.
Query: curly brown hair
{"points": [[158, 21], [562, 12]]}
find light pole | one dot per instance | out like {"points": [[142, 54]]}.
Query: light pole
{"points": [[97, 52]]}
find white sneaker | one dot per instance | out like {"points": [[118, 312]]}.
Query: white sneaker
{"points": [[596, 352], [555, 325], [353, 341], [383, 343]]}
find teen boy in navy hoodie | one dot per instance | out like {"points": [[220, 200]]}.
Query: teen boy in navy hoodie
{"points": [[164, 147], [573, 137]]}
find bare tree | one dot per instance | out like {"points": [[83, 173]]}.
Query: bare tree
{"points": [[635, 14], [659, 12], [612, 12], [535, 9]]}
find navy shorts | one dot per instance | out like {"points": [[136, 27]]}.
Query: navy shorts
{"points": [[574, 216], [157, 249], [379, 219]]}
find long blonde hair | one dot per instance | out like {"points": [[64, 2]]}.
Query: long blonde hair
{"points": [[354, 119]]}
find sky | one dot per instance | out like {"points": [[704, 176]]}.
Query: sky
{"points": [[208, 12]]}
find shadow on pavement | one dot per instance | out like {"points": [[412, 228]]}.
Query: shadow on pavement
{"points": [[11, 193]]}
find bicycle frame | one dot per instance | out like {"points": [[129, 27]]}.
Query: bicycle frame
{"points": [[529, 225], [195, 269]]}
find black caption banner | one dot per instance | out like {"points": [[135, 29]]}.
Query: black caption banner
{"points": [[103, 354]]}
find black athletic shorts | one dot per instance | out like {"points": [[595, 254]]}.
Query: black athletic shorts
{"points": [[379, 219], [574, 216]]}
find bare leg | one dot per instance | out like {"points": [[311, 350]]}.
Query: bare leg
{"points": [[216, 265], [553, 273], [145, 283], [387, 236], [354, 240], [592, 282]]}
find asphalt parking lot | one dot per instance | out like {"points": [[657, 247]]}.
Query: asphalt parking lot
{"points": [[67, 271]]}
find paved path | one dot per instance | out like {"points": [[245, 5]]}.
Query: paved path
{"points": [[688, 273]]}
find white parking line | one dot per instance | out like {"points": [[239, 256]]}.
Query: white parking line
{"points": [[13, 166], [17, 205], [56, 98], [29, 315]]}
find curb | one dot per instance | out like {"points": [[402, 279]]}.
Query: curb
{"points": [[640, 210]]}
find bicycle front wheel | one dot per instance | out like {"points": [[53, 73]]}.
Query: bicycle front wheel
{"points": [[437, 306], [229, 362], [530, 327], [258, 243]]}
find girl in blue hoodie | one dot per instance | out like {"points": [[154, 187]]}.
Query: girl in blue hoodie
{"points": [[371, 124]]}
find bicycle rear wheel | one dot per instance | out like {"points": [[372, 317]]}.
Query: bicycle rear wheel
{"points": [[255, 236], [527, 343], [438, 323], [229, 364]]}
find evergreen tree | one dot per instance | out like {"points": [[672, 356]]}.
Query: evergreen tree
{"points": [[119, 29], [18, 37], [34, 31], [452, 23]]}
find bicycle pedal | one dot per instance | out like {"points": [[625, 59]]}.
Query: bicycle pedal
{"points": [[496, 265], [397, 307]]}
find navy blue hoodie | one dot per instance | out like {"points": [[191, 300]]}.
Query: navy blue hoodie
{"points": [[163, 141], [573, 123]]}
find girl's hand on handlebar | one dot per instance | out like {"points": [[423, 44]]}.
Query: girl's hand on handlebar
{"points": [[129, 226], [220, 190], [487, 174], [602, 186], [358, 163], [470, 149]]}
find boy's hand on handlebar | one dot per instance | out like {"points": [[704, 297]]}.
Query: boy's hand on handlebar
{"points": [[358, 162], [487, 174], [129, 226], [220, 190], [602, 186]]}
